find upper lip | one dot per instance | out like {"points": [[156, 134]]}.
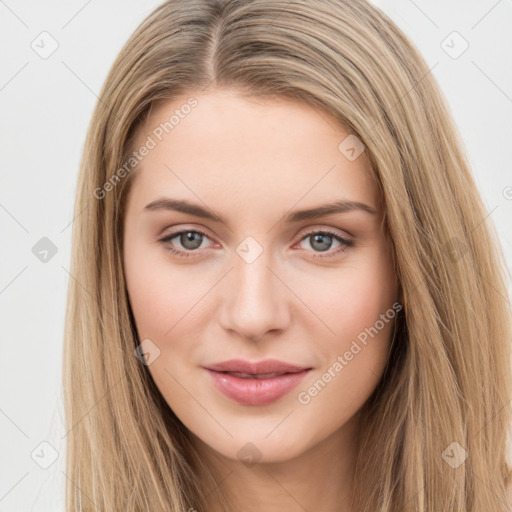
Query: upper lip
{"points": [[256, 368]]}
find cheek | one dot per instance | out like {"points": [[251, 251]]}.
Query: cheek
{"points": [[162, 298], [350, 298], [160, 293], [358, 307], [356, 304]]}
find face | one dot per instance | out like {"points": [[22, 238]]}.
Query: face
{"points": [[220, 265]]}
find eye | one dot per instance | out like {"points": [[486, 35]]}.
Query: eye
{"points": [[321, 241], [190, 240]]}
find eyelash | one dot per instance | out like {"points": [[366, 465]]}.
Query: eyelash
{"points": [[344, 247]]}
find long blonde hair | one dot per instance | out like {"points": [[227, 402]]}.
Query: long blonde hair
{"points": [[434, 433]]}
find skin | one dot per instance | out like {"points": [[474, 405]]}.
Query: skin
{"points": [[253, 161]]}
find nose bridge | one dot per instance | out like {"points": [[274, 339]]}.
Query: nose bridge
{"points": [[256, 300]]}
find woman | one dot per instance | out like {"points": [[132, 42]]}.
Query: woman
{"points": [[285, 295]]}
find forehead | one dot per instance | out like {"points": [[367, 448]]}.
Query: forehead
{"points": [[224, 146]]}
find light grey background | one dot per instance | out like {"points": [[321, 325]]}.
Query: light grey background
{"points": [[46, 104]]}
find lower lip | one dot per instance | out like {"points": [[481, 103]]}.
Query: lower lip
{"points": [[256, 391]]}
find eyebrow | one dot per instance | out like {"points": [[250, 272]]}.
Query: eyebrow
{"points": [[183, 206]]}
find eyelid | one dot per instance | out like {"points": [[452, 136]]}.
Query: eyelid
{"points": [[345, 235], [179, 228]]}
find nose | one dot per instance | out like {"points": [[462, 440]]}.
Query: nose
{"points": [[256, 301]]}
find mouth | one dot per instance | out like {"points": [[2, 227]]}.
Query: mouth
{"points": [[249, 368], [257, 375], [256, 387]]}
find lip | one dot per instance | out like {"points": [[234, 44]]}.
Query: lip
{"points": [[257, 390], [259, 367]]}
